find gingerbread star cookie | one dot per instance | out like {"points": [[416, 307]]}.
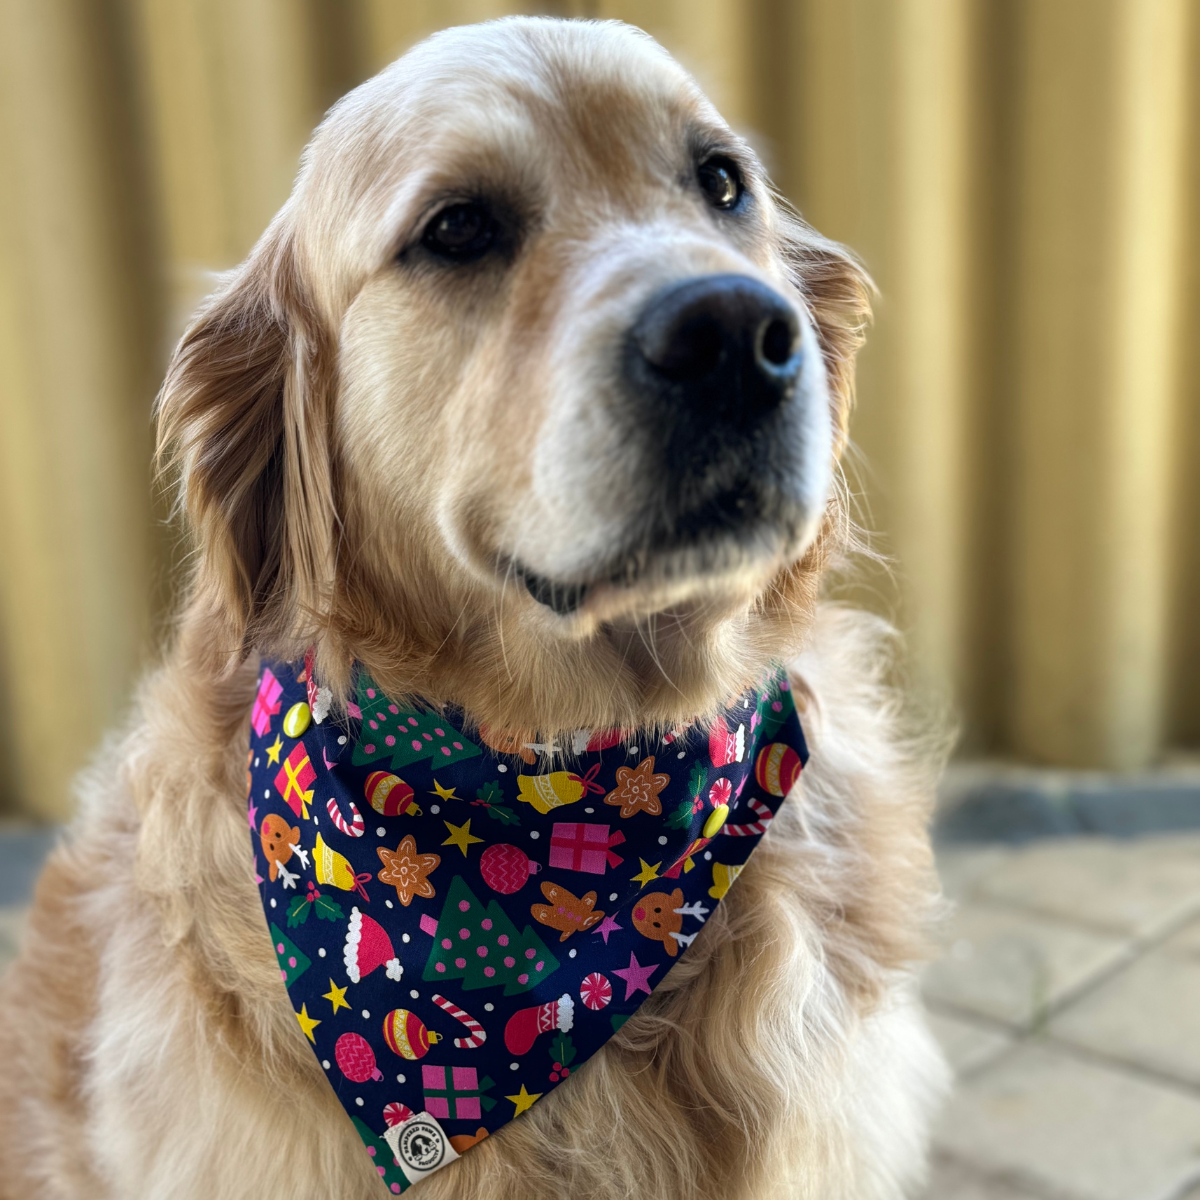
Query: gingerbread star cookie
{"points": [[406, 870], [637, 789], [566, 912]]}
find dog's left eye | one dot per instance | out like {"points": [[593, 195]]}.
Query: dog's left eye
{"points": [[721, 182], [461, 231]]}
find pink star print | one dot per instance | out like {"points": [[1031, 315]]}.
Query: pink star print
{"points": [[607, 926], [252, 815], [637, 977]]}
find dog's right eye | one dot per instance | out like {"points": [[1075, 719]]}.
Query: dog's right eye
{"points": [[461, 231]]}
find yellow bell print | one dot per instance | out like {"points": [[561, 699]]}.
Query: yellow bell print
{"points": [[335, 869], [545, 792], [723, 877]]}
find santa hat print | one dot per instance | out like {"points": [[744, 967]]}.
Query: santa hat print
{"points": [[524, 1026], [367, 947]]}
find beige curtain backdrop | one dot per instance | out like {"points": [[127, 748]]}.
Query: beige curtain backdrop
{"points": [[1019, 175]]}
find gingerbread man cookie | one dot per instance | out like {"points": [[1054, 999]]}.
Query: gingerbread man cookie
{"points": [[565, 912]]}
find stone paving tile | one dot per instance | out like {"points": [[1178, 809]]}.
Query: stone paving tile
{"points": [[950, 1179], [1014, 966], [962, 867], [966, 1044], [1136, 888], [1148, 1015], [1070, 1127], [1187, 940]]}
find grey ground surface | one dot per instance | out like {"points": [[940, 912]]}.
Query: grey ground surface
{"points": [[1068, 1000]]}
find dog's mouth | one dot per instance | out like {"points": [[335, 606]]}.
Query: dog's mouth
{"points": [[733, 535]]}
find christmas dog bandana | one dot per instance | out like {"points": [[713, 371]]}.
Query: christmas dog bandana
{"points": [[462, 919]]}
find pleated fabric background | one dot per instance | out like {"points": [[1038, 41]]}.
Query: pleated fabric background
{"points": [[1020, 176]]}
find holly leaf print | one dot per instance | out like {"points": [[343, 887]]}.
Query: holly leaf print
{"points": [[681, 818], [490, 793], [506, 816], [328, 910], [697, 778], [489, 796], [562, 1050], [298, 911]]}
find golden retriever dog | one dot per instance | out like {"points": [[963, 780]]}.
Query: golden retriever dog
{"points": [[530, 399]]}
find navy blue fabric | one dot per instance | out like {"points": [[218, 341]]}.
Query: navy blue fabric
{"points": [[575, 881]]}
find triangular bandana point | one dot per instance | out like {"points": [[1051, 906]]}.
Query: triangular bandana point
{"points": [[509, 923]]}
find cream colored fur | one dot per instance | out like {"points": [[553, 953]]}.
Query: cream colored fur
{"points": [[146, 1047]]}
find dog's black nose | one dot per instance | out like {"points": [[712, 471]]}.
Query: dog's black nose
{"points": [[724, 347]]}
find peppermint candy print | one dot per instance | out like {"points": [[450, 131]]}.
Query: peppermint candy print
{"points": [[462, 918], [595, 991]]}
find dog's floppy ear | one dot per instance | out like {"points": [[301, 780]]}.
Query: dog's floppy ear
{"points": [[244, 419], [838, 292]]}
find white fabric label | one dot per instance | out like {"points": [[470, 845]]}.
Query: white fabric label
{"points": [[420, 1146]]}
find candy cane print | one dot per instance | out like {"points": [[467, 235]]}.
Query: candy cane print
{"points": [[765, 817], [477, 1031], [355, 828]]}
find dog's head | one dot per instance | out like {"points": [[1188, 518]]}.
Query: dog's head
{"points": [[531, 395]]}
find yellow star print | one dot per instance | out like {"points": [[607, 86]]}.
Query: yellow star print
{"points": [[307, 1023], [336, 996], [460, 836], [443, 793], [273, 751], [647, 872], [523, 1100]]}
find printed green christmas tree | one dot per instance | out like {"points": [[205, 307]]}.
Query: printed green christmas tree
{"points": [[293, 962], [483, 948], [773, 718], [405, 735], [382, 1156]]}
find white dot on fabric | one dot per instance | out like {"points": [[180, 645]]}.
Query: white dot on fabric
{"points": [[573, 953], [399, 1078], [321, 952], [388, 903], [631, 749], [488, 1007], [589, 810], [366, 1015], [514, 1066], [404, 937], [613, 896], [272, 901], [325, 1063], [533, 833], [381, 832], [342, 740], [681, 754], [314, 818], [501, 767], [433, 808], [358, 1101], [256, 762], [708, 856], [267, 794], [415, 994], [662, 841]]}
